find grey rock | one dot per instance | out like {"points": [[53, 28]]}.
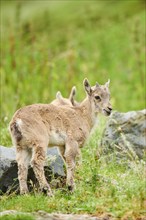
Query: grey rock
{"points": [[56, 162], [7, 156], [125, 134], [8, 169]]}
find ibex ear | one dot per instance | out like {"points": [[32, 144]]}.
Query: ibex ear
{"points": [[72, 94], [107, 83], [87, 86], [97, 85], [58, 95]]}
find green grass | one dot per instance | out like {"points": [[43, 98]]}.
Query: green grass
{"points": [[17, 217], [101, 187], [55, 45]]}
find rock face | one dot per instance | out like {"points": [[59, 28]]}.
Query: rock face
{"points": [[41, 215], [125, 134], [8, 169]]}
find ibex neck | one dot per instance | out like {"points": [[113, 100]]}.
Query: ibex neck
{"points": [[88, 112]]}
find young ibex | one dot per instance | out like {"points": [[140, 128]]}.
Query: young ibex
{"points": [[37, 126], [60, 100]]}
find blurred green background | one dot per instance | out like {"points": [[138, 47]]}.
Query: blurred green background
{"points": [[48, 46]]}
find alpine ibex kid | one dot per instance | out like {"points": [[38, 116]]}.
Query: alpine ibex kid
{"points": [[35, 127], [60, 100]]}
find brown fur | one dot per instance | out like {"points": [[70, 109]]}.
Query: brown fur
{"points": [[67, 127], [60, 100]]}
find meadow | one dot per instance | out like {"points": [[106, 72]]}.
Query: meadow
{"points": [[48, 46]]}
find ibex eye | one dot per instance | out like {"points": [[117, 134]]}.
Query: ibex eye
{"points": [[97, 97]]}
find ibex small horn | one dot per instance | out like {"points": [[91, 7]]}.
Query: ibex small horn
{"points": [[107, 83], [58, 95]]}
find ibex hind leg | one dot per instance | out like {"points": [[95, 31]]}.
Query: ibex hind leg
{"points": [[23, 157], [70, 155], [62, 151], [37, 163], [79, 157]]}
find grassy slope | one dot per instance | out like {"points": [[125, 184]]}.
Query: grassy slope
{"points": [[56, 47], [101, 187]]}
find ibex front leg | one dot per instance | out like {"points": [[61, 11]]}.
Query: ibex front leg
{"points": [[37, 163], [70, 154]]}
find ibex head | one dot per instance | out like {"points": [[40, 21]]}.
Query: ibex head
{"points": [[99, 96]]}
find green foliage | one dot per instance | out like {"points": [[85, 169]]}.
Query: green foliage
{"points": [[17, 217], [54, 46]]}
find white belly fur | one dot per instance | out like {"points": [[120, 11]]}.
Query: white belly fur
{"points": [[57, 139]]}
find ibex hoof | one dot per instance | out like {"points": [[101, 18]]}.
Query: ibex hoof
{"points": [[47, 191], [24, 192], [71, 188], [50, 194]]}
